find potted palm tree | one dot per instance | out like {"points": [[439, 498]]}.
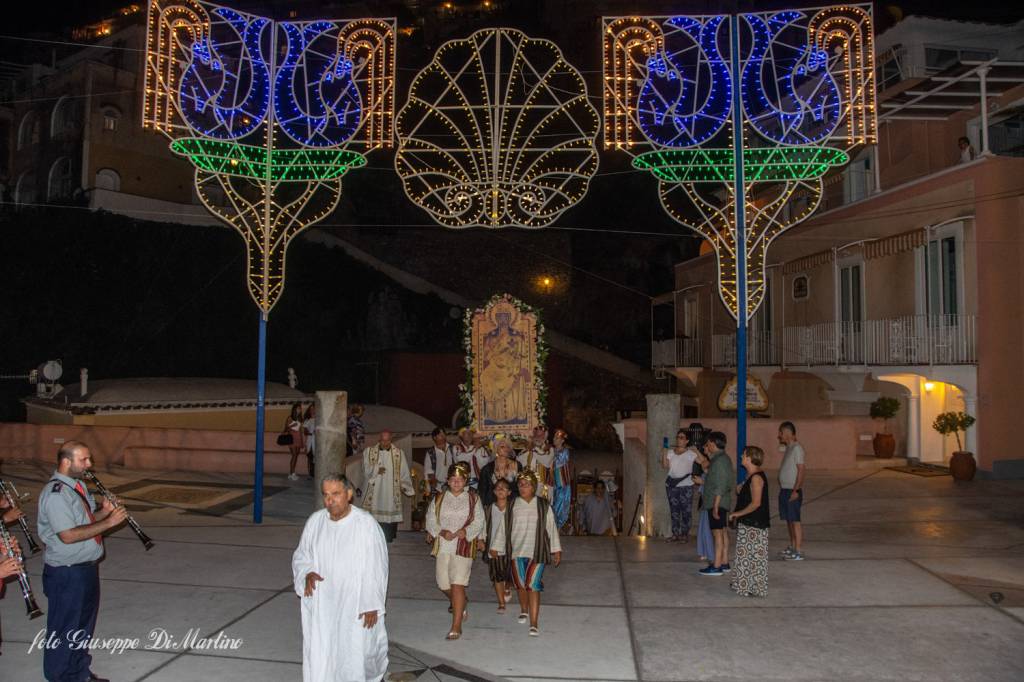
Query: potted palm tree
{"points": [[961, 464], [885, 409]]}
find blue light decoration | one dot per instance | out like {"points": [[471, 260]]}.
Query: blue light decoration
{"points": [[316, 99], [269, 141], [740, 118], [789, 96], [686, 97], [223, 90]]}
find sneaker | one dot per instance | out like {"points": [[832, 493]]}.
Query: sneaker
{"points": [[795, 556], [726, 568], [785, 553], [293, 477], [711, 570]]}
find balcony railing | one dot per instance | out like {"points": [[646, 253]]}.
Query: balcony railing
{"points": [[760, 349], [912, 340]]}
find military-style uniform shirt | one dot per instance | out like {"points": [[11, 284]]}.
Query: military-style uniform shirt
{"points": [[61, 509]]}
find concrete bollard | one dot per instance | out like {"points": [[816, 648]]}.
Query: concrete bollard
{"points": [[331, 437]]}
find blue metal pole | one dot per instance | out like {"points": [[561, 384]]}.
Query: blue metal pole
{"points": [[740, 243], [261, 390]]}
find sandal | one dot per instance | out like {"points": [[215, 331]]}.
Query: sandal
{"points": [[523, 617], [451, 636], [534, 631]]}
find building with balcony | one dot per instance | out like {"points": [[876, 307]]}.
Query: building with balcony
{"points": [[74, 136], [906, 282]]}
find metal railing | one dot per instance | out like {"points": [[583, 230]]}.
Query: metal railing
{"points": [[910, 340], [760, 349]]}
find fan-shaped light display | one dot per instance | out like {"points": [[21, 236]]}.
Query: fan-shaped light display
{"points": [[498, 132]]}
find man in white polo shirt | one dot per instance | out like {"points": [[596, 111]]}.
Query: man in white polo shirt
{"points": [[791, 493]]}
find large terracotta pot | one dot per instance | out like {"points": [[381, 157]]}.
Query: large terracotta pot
{"points": [[962, 466], [884, 445]]}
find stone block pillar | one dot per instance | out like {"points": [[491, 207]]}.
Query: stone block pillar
{"points": [[662, 422], [331, 437]]}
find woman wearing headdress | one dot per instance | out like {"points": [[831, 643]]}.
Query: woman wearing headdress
{"points": [[531, 543], [455, 521], [504, 467], [561, 474]]}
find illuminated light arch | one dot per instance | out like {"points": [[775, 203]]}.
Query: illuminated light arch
{"points": [[845, 33], [497, 132], [807, 90], [270, 142]]}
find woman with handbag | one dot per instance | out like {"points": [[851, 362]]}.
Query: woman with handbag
{"points": [[679, 485], [292, 436]]}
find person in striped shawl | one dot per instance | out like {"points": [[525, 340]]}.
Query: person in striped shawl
{"points": [[531, 542], [455, 520]]}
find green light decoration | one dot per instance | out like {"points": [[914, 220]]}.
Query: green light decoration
{"points": [[249, 161], [769, 164]]}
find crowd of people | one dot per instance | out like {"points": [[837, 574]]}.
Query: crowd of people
{"points": [[492, 502], [698, 467]]}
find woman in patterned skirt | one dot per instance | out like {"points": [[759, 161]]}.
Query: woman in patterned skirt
{"points": [[750, 570], [497, 560]]}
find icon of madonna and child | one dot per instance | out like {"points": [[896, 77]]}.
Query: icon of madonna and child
{"points": [[504, 363]]}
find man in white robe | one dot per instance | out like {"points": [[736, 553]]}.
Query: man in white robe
{"points": [[340, 571], [385, 479]]}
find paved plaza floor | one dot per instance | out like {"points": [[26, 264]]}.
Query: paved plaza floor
{"points": [[906, 578]]}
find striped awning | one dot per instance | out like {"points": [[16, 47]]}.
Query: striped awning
{"points": [[808, 262], [898, 243]]}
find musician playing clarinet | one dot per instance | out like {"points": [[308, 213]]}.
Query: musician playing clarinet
{"points": [[72, 526], [9, 567], [10, 514]]}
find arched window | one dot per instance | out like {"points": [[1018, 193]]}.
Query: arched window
{"points": [[25, 189], [108, 178], [111, 119], [63, 120], [28, 131], [58, 185]]}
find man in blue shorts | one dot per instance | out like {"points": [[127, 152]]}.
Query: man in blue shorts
{"points": [[791, 493]]}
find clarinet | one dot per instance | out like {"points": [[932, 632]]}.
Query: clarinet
{"points": [[12, 500], [146, 542], [26, 588]]}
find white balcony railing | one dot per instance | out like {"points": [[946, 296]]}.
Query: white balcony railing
{"points": [[912, 340], [760, 350]]}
